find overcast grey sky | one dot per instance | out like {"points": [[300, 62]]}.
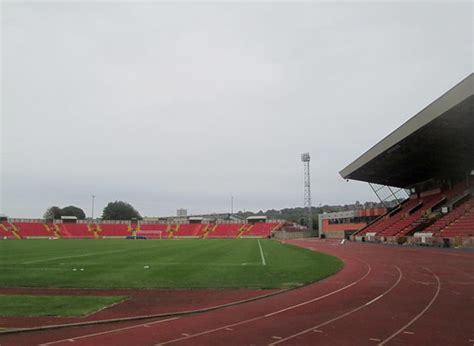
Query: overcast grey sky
{"points": [[168, 105]]}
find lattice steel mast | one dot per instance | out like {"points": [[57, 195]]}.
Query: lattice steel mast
{"points": [[305, 158]]}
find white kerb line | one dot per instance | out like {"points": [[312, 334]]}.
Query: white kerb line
{"points": [[261, 253]]}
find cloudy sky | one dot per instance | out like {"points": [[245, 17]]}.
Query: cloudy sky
{"points": [[169, 105]]}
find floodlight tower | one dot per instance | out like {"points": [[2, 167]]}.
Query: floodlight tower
{"points": [[305, 158]]}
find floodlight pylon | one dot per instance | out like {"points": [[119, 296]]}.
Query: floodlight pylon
{"points": [[305, 158]]}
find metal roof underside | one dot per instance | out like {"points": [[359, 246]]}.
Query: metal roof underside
{"points": [[438, 142]]}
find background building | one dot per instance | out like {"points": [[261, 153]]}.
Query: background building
{"points": [[345, 223], [182, 212]]}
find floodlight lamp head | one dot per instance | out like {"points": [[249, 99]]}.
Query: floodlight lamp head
{"points": [[305, 157]]}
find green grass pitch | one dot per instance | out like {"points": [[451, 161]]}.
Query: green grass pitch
{"points": [[60, 306], [182, 263]]}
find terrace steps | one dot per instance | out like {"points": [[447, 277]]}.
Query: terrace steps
{"points": [[52, 230], [242, 230], [16, 232], [95, 230], [5, 231]]}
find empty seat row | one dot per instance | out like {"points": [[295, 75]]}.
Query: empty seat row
{"points": [[408, 219], [70, 231]]}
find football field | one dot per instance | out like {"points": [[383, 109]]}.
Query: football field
{"points": [[181, 263]]}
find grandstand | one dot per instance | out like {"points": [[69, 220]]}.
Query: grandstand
{"points": [[432, 157], [12, 229]]}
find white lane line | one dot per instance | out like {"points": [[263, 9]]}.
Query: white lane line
{"points": [[374, 339], [321, 297], [65, 257], [374, 300], [400, 275], [261, 253], [107, 332], [420, 314], [369, 269], [407, 332], [442, 253], [462, 272], [276, 337]]}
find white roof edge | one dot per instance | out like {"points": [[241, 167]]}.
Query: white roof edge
{"points": [[257, 217], [448, 100]]}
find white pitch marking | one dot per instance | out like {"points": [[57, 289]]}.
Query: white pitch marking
{"points": [[406, 332], [108, 331], [374, 339], [34, 269], [317, 331], [261, 253], [420, 314], [65, 257]]}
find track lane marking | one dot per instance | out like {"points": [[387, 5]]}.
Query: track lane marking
{"points": [[421, 312], [108, 332], [320, 297], [261, 253], [442, 253], [369, 269], [400, 275]]}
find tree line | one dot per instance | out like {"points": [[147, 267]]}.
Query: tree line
{"points": [[118, 210]]}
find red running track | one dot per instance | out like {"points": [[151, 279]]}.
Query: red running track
{"points": [[385, 295]]}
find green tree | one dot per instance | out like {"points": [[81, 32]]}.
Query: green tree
{"points": [[51, 213], [120, 210], [73, 211]]}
